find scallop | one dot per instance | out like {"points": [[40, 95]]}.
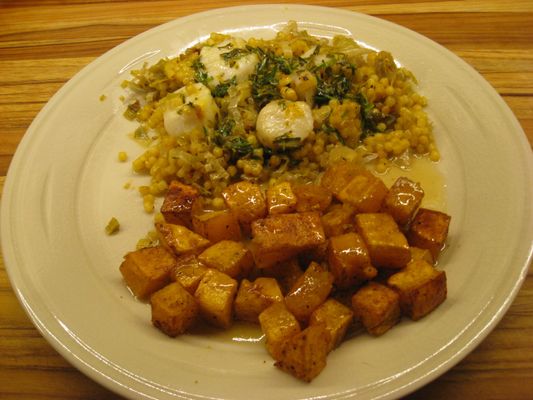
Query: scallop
{"points": [[284, 119], [194, 108], [221, 68]]}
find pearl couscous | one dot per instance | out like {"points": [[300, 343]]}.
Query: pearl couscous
{"points": [[272, 110]]}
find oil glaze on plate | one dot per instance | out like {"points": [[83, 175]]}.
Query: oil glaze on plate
{"points": [[65, 183]]}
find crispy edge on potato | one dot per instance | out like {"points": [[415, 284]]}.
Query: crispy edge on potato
{"points": [[278, 324], [177, 205], [337, 176], [174, 309], [365, 192], [281, 198], [377, 307], [147, 270], [336, 317], [402, 200], [188, 271], [338, 220], [421, 287], [228, 256], [216, 225], [429, 230], [179, 239], [247, 201], [312, 197]]}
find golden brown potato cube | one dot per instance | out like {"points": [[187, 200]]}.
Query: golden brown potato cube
{"points": [[174, 309], [232, 258], [336, 317], [217, 225], [280, 237], [304, 354], [179, 239], [247, 201], [429, 230], [147, 270], [402, 200], [349, 261], [286, 273], [421, 287], [177, 205], [281, 198], [278, 325], [338, 220], [337, 176], [312, 198], [254, 297], [377, 307], [215, 296], [309, 291], [189, 272], [421, 254], [386, 245], [365, 192]]}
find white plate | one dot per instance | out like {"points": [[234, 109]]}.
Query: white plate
{"points": [[65, 183]]}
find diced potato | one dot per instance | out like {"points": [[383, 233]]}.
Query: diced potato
{"points": [[215, 296], [304, 354], [280, 237], [386, 245], [429, 230], [147, 270], [349, 260], [286, 273], [189, 272], [337, 176], [336, 317], [278, 325], [177, 206], [247, 201], [421, 287], [312, 198], [402, 200], [281, 198], [232, 258], [365, 192], [421, 254], [338, 220], [254, 297], [377, 307], [309, 291], [217, 225], [179, 239], [174, 309]]}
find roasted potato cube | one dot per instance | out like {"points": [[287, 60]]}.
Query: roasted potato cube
{"points": [[421, 254], [254, 297], [280, 237], [336, 317], [402, 200], [179, 239], [215, 296], [312, 198], [421, 287], [232, 258], [217, 225], [349, 261], [278, 325], [365, 192], [429, 230], [337, 176], [247, 201], [386, 245], [147, 270], [286, 273], [189, 272], [177, 205], [281, 198], [377, 307], [309, 291], [174, 309], [304, 354], [338, 220]]}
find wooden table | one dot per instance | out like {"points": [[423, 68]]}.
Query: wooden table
{"points": [[44, 43]]}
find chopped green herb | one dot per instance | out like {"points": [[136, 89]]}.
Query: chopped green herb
{"points": [[222, 89], [201, 75], [286, 142]]}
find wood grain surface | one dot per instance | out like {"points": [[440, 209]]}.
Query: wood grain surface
{"points": [[44, 43]]}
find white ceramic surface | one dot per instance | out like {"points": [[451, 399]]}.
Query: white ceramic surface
{"points": [[65, 183]]}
